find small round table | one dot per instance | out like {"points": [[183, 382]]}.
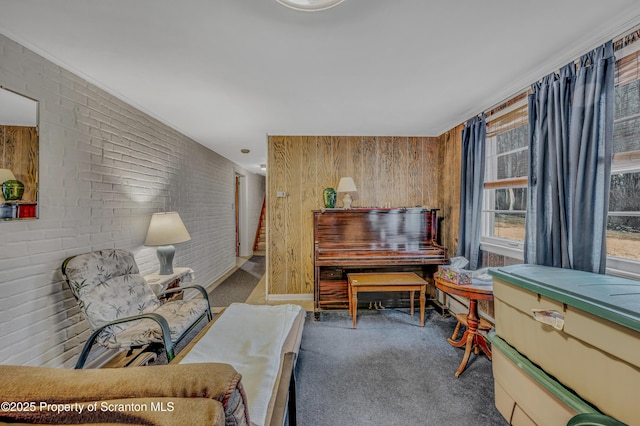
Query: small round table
{"points": [[471, 339]]}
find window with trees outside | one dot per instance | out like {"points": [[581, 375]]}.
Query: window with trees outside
{"points": [[505, 181], [505, 189], [623, 227]]}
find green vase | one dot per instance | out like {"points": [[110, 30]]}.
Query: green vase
{"points": [[329, 197], [12, 190]]}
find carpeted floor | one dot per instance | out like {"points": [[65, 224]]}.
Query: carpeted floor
{"points": [[240, 284], [389, 371]]}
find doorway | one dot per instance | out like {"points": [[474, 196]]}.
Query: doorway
{"points": [[237, 204], [243, 247]]}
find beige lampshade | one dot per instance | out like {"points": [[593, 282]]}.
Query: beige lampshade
{"points": [[166, 228], [346, 185]]}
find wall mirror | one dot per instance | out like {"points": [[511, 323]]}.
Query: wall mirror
{"points": [[19, 148]]}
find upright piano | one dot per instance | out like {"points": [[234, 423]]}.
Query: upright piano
{"points": [[365, 240]]}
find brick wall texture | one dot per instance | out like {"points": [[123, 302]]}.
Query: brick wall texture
{"points": [[105, 167]]}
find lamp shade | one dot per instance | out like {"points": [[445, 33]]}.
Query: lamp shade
{"points": [[6, 174], [166, 228], [346, 185]]}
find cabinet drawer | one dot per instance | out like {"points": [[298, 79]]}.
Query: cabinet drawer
{"points": [[335, 290], [331, 273]]}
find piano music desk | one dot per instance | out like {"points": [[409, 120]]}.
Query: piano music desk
{"points": [[385, 281]]}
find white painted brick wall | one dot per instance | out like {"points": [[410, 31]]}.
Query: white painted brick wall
{"points": [[105, 167]]}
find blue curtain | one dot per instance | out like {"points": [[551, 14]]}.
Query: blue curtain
{"points": [[570, 143], [471, 186]]}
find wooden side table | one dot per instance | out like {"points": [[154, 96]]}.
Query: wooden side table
{"points": [[160, 283], [471, 339]]}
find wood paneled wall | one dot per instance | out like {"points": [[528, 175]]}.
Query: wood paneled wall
{"points": [[388, 172], [19, 153], [449, 201], [449, 185]]}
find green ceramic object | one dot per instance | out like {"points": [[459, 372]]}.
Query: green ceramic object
{"points": [[12, 190], [329, 197]]}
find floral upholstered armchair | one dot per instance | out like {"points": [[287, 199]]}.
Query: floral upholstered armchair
{"points": [[122, 309]]}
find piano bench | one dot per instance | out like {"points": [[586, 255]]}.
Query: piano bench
{"points": [[385, 281]]}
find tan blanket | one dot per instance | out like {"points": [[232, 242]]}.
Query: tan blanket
{"points": [[47, 388], [142, 411]]}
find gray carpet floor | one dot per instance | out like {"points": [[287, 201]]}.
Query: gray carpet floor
{"points": [[389, 371]]}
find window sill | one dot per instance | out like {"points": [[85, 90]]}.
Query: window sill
{"points": [[512, 249], [623, 268], [615, 266]]}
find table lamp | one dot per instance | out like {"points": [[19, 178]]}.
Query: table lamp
{"points": [[346, 185], [166, 229]]}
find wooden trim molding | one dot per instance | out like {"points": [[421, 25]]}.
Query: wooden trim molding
{"points": [[506, 183]]}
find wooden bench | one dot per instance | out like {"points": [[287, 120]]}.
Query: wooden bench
{"points": [[385, 281]]}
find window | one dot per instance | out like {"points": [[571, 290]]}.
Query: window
{"points": [[505, 193], [623, 227], [505, 187]]}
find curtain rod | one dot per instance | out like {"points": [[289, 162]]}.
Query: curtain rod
{"points": [[624, 39], [505, 106]]}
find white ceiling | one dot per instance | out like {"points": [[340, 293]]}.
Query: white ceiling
{"points": [[229, 72]]}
